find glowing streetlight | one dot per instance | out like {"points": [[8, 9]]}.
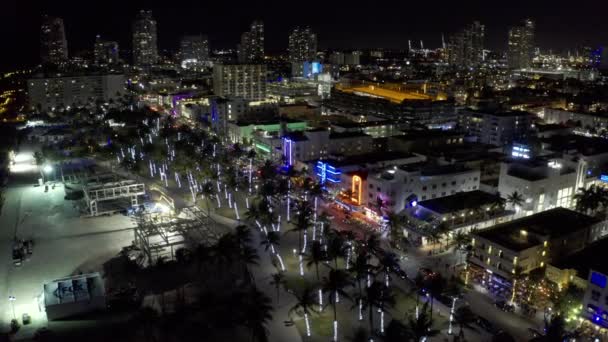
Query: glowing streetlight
{"points": [[47, 168]]}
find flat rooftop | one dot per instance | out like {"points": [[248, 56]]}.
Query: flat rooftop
{"points": [[80, 288], [427, 169], [267, 121], [460, 201], [587, 259], [553, 223], [370, 158], [427, 134], [585, 145], [395, 96], [499, 113], [345, 135]]}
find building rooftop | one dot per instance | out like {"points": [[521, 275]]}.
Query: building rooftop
{"points": [[536, 169], [460, 201], [369, 158], [499, 113], [427, 169], [526, 232], [586, 260], [585, 145], [79, 288], [393, 95], [295, 136], [345, 135], [427, 134], [352, 124], [268, 121]]}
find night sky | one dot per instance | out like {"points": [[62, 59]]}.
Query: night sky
{"points": [[339, 24]]}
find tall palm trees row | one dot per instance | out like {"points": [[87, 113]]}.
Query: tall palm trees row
{"points": [[221, 273]]}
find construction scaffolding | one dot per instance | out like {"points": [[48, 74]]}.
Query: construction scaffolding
{"points": [[161, 235], [125, 192]]}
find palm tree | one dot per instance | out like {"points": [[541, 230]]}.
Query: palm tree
{"points": [[389, 264], [315, 256], [302, 221], [336, 248], [360, 335], [242, 233], [373, 244], [270, 240], [443, 233], [516, 200], [305, 305], [393, 223], [361, 270], [422, 326], [590, 199], [517, 276], [268, 171], [464, 317], [497, 205], [461, 240], [377, 296], [253, 213], [278, 280], [435, 285], [334, 284], [249, 256], [256, 313], [555, 329], [395, 332], [207, 191]]}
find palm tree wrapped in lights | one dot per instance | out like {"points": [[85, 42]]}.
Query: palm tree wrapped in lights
{"points": [[334, 284], [305, 306]]}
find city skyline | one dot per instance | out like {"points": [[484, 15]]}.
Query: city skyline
{"points": [[337, 26]]}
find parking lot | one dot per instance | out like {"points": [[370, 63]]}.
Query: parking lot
{"points": [[64, 243]]}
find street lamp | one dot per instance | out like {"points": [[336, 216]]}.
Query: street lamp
{"points": [[47, 168], [12, 299]]}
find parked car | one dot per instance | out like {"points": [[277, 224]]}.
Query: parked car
{"points": [[504, 306], [487, 325]]}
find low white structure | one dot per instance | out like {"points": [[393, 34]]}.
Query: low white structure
{"points": [[74, 295], [400, 187], [543, 183]]}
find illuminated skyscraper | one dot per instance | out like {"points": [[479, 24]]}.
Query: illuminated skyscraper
{"points": [[302, 45], [251, 48], [106, 52], [302, 48], [194, 47], [53, 45], [145, 48], [521, 45], [242, 80], [465, 48]]}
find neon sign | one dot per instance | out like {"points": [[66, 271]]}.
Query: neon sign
{"points": [[356, 189], [327, 173], [287, 151]]}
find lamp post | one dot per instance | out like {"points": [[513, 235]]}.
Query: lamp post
{"points": [[12, 299]]}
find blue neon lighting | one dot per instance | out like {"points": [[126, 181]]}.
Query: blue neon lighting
{"points": [[327, 172], [604, 178], [598, 279]]}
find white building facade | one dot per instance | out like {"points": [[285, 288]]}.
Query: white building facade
{"points": [[49, 93]]}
